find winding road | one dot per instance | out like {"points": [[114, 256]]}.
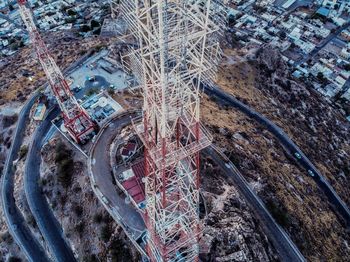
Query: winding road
{"points": [[44, 217], [15, 221], [289, 145]]}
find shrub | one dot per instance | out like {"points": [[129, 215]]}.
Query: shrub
{"points": [[65, 164], [278, 213], [78, 210], [105, 233], [23, 151], [98, 218], [90, 258], [14, 259], [79, 228]]}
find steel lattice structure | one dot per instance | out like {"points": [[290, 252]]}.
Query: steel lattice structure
{"points": [[178, 50], [114, 8], [77, 122]]}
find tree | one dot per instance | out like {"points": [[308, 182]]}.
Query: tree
{"points": [[78, 210], [71, 12], [14, 259], [98, 218], [279, 213], [71, 20], [94, 24], [347, 67], [105, 233], [283, 35], [231, 20], [85, 28], [80, 228], [320, 76]]}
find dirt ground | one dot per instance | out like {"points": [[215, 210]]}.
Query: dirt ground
{"points": [[90, 230]]}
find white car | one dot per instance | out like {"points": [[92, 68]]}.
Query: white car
{"points": [[311, 173]]}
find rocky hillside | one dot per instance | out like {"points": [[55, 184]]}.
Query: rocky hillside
{"points": [[230, 231], [91, 231], [320, 131], [7, 125]]}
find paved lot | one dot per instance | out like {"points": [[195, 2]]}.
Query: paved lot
{"points": [[92, 67]]}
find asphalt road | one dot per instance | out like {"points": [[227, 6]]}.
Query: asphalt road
{"points": [[285, 247], [338, 205], [13, 216], [102, 174], [47, 223]]}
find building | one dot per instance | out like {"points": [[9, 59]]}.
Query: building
{"points": [[39, 112]]}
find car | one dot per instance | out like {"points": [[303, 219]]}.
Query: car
{"points": [[311, 173], [297, 155], [91, 78]]}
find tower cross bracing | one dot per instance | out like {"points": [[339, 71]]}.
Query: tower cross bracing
{"points": [[178, 49], [77, 122]]}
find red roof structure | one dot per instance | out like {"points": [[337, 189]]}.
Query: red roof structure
{"points": [[134, 185]]}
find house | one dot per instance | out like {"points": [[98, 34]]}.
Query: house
{"points": [[323, 11]]}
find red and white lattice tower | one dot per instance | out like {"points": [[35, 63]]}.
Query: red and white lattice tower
{"points": [[177, 51], [77, 122]]}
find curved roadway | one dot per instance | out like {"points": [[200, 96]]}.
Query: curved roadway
{"points": [[283, 138], [13, 216], [47, 222], [103, 177]]}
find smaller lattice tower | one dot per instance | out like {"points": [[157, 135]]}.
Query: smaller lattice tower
{"points": [[77, 122]]}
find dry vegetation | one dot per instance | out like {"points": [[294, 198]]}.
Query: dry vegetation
{"points": [[89, 228], [230, 232], [15, 83], [292, 197]]}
